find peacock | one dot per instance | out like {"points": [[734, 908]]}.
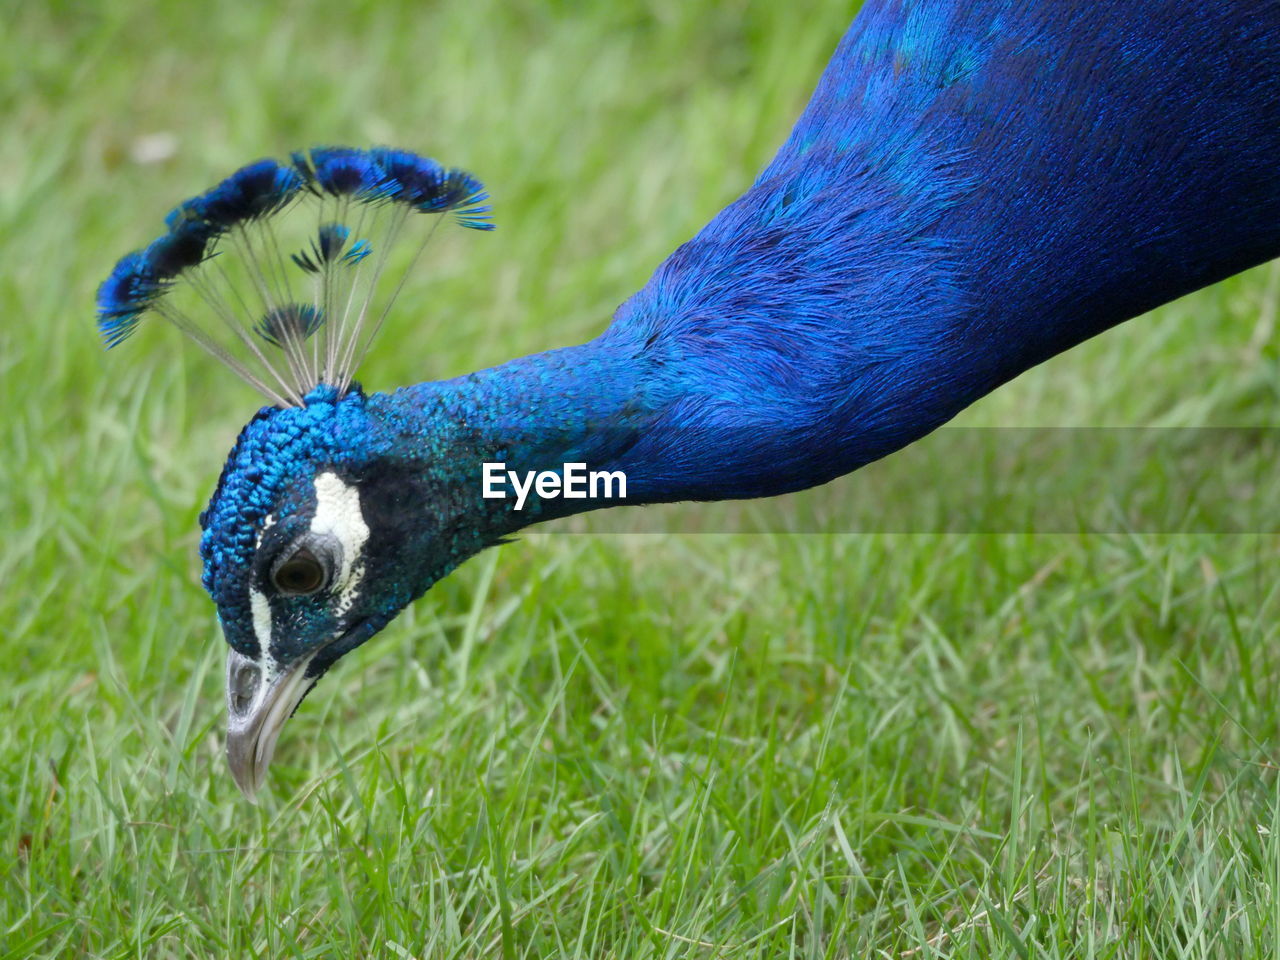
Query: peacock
{"points": [[975, 186]]}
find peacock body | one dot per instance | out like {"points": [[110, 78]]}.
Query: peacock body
{"points": [[975, 186]]}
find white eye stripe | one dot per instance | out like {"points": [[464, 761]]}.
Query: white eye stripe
{"points": [[261, 610], [338, 514]]}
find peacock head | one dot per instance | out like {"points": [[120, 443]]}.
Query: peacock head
{"points": [[286, 548], [314, 538]]}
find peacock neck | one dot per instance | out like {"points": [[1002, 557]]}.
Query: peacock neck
{"points": [[584, 404]]}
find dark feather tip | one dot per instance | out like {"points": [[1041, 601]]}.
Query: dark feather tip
{"points": [[412, 179], [125, 295], [465, 197], [182, 247], [252, 192], [293, 322], [328, 247], [341, 172], [428, 187]]}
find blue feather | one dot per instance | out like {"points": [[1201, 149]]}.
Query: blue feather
{"points": [[126, 294], [184, 246], [342, 172], [430, 188], [327, 247], [359, 250], [294, 322], [254, 191]]}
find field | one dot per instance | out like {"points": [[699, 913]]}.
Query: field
{"points": [[916, 745]]}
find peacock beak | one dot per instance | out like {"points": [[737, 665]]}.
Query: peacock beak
{"points": [[258, 704]]}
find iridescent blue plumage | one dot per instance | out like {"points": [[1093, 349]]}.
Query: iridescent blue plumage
{"points": [[254, 191], [328, 246], [975, 186], [276, 449], [384, 174], [125, 295], [342, 172], [430, 188]]}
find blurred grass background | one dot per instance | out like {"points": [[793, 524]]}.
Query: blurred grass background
{"points": [[651, 746]]}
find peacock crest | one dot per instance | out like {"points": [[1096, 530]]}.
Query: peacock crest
{"points": [[277, 270]]}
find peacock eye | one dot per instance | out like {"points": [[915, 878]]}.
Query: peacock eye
{"points": [[299, 575]]}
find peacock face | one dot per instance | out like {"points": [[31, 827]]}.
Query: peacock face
{"points": [[287, 548], [319, 533]]}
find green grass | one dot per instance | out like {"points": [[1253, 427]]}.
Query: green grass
{"points": [[633, 746]]}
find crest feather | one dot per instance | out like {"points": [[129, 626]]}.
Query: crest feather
{"points": [[275, 269]]}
